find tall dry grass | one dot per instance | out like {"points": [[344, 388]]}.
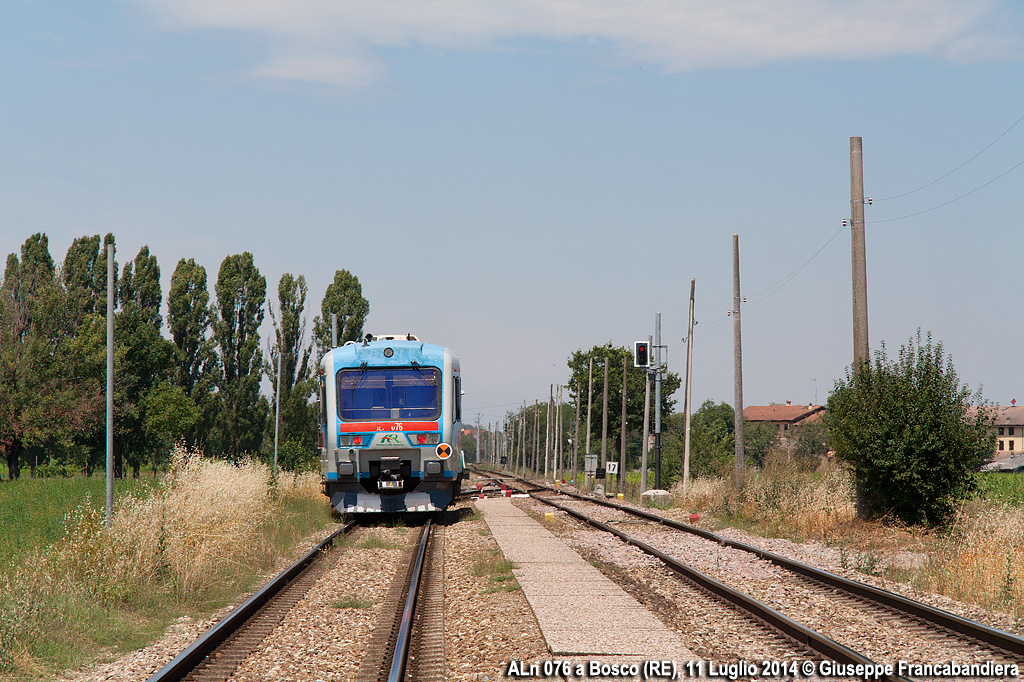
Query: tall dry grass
{"points": [[784, 498], [205, 533], [978, 558]]}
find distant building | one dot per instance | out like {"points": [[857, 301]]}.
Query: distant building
{"points": [[784, 416], [1008, 429]]}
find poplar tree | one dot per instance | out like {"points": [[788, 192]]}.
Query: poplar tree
{"points": [[241, 420], [298, 417], [196, 370], [344, 297], [145, 360]]}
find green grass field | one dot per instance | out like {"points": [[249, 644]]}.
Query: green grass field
{"points": [[32, 510], [999, 487]]}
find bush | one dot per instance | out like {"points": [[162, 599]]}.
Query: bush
{"points": [[906, 428]]}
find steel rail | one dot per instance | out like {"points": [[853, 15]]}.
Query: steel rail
{"points": [[207, 643], [814, 641], [931, 615], [400, 656]]}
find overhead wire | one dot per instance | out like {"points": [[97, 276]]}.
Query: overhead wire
{"points": [[943, 177]]}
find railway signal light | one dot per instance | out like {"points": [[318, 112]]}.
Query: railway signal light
{"points": [[640, 354]]}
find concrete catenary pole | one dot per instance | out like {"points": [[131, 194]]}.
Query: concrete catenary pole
{"points": [[860, 279], [590, 392], [622, 432], [549, 432], [737, 376], [576, 435], [687, 407], [558, 434], [110, 382], [860, 274], [334, 330]]}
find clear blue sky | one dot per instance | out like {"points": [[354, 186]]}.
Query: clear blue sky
{"points": [[521, 179]]}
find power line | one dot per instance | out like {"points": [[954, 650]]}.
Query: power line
{"points": [[947, 203], [775, 288], [943, 177]]}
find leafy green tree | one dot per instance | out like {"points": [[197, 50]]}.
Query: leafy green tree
{"points": [[169, 414], [48, 359], [241, 292], [298, 417], [809, 440], [579, 363], [147, 359], [906, 427], [759, 439], [85, 274], [712, 440], [344, 296], [189, 323]]}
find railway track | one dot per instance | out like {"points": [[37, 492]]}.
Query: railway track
{"points": [[839, 610], [407, 642], [216, 654]]}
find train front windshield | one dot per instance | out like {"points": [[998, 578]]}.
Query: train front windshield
{"points": [[389, 393]]}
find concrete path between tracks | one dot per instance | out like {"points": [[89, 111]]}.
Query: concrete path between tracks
{"points": [[579, 610]]}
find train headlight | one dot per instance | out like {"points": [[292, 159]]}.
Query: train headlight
{"points": [[349, 440], [428, 438]]}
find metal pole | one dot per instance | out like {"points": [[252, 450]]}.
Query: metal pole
{"points": [[334, 330], [604, 419], [647, 427], [657, 401], [622, 431], [590, 392], [687, 407], [737, 360], [277, 402], [110, 382]]}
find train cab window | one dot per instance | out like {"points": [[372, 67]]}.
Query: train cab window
{"points": [[367, 394], [457, 400]]}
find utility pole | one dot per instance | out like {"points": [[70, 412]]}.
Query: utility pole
{"points": [[604, 419], [334, 330], [590, 392], [537, 434], [737, 376], [479, 447], [110, 382], [277, 402], [548, 435], [522, 440], [560, 463], [860, 279], [576, 436], [687, 407], [860, 274], [622, 430], [657, 401]]}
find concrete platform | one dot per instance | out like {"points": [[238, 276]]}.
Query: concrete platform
{"points": [[579, 610]]}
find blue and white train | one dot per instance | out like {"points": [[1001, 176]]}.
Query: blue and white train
{"points": [[390, 425]]}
